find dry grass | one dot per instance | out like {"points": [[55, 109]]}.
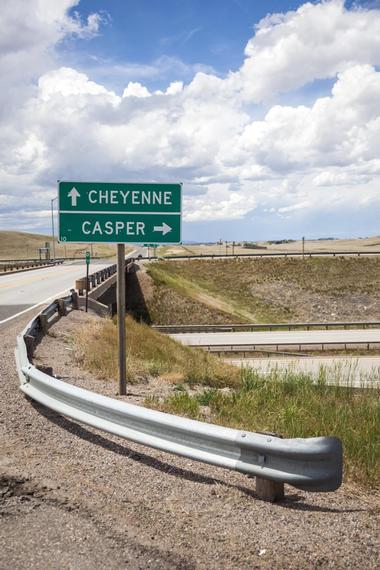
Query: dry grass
{"points": [[317, 245], [21, 245], [149, 354], [272, 290]]}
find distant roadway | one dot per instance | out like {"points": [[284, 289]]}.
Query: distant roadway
{"points": [[274, 338]]}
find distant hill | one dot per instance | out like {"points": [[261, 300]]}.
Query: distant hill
{"points": [[21, 245]]}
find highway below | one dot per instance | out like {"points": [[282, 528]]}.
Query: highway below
{"points": [[356, 372], [279, 338]]}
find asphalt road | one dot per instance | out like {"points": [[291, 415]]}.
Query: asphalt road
{"points": [[20, 292], [358, 372], [284, 338]]}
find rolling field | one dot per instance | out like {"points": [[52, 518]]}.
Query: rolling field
{"points": [[21, 245], [319, 245]]}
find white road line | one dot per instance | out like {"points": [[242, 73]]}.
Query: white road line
{"points": [[34, 306]]}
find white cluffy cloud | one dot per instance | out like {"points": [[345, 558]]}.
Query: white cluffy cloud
{"points": [[208, 133], [315, 42]]}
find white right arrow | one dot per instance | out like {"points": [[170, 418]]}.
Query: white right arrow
{"points": [[165, 229], [73, 194]]}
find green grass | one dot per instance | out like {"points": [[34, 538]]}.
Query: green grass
{"points": [[149, 354], [293, 406]]}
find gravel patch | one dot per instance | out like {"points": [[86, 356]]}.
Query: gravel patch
{"points": [[119, 504]]}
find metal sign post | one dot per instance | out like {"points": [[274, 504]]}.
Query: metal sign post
{"points": [[88, 257], [121, 318]]}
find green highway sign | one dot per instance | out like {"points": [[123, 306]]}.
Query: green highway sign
{"points": [[115, 212]]}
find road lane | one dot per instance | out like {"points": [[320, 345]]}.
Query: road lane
{"points": [[359, 372], [283, 338], [21, 291]]}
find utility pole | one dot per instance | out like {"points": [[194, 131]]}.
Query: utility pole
{"points": [[303, 248]]}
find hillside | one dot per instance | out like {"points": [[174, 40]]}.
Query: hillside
{"points": [[21, 245], [264, 290]]}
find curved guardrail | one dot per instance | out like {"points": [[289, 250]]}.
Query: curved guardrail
{"points": [[313, 464]]}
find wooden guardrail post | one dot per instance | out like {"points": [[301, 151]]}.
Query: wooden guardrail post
{"points": [[74, 298], [61, 307], [29, 343], [43, 323], [270, 491], [80, 285]]}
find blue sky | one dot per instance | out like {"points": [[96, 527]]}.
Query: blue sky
{"points": [[212, 33], [266, 111]]}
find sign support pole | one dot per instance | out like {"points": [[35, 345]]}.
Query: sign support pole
{"points": [[88, 257], [121, 317], [87, 284]]}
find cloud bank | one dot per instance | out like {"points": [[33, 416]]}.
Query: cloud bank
{"points": [[232, 142]]}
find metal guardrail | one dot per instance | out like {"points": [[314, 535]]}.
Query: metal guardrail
{"points": [[274, 347], [96, 278], [313, 464], [9, 266], [264, 327], [288, 254]]}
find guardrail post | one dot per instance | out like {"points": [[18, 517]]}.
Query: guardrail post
{"points": [[80, 285], [270, 491], [74, 298], [43, 323], [61, 307], [29, 343]]}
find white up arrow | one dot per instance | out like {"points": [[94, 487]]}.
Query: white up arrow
{"points": [[73, 194], [165, 229]]}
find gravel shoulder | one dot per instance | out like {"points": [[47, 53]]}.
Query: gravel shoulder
{"points": [[74, 497]]}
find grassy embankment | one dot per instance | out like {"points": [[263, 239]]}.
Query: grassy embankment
{"points": [[267, 290], [289, 404], [21, 245]]}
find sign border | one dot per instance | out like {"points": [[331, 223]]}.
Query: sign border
{"points": [[123, 242]]}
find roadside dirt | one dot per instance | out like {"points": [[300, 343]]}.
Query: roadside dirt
{"points": [[73, 497]]}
